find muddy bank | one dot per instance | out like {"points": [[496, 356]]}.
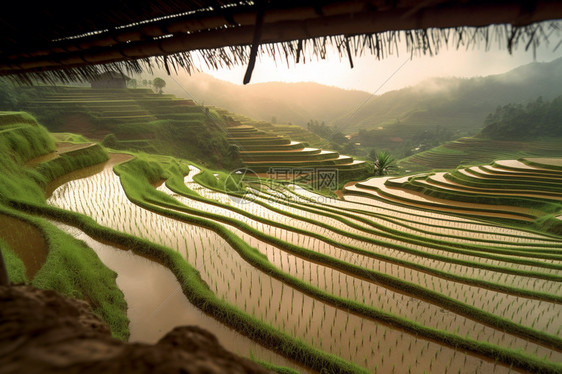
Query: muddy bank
{"points": [[55, 334], [27, 242]]}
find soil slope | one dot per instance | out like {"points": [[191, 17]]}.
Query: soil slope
{"points": [[44, 332]]}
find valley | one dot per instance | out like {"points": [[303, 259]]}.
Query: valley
{"points": [[450, 271]]}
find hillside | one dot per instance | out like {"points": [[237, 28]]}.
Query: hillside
{"points": [[474, 150], [447, 272], [295, 103], [141, 121], [459, 103], [512, 131], [135, 119]]}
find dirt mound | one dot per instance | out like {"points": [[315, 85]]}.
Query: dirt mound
{"points": [[44, 332]]}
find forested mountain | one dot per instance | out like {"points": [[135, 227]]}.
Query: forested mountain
{"points": [[537, 119]]}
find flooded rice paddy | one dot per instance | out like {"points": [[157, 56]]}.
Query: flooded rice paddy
{"points": [[374, 236]]}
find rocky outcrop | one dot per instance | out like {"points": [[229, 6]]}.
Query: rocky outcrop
{"points": [[44, 332]]}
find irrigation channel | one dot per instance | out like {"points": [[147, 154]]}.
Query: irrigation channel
{"points": [[366, 280]]}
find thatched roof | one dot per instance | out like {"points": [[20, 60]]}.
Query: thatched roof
{"points": [[66, 40], [108, 75]]}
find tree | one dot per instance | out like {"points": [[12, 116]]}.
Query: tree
{"points": [[383, 163], [159, 84], [234, 152], [132, 83], [110, 140]]}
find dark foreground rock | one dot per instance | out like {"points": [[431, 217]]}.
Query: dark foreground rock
{"points": [[44, 332]]}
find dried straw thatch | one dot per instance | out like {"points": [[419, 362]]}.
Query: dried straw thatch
{"points": [[74, 41]]}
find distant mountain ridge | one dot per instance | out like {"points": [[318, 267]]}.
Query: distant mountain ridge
{"points": [[459, 103], [295, 103]]}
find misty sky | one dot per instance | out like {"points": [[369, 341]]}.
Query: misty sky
{"points": [[370, 74]]}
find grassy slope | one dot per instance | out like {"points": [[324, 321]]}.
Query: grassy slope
{"points": [[190, 132], [71, 267]]}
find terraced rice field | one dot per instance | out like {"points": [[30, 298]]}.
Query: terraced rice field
{"points": [[263, 150], [156, 304], [387, 278], [95, 113], [286, 130], [138, 105], [472, 150]]}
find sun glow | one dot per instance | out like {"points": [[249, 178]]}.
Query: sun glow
{"points": [[393, 72]]}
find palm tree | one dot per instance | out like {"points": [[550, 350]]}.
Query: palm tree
{"points": [[383, 162]]}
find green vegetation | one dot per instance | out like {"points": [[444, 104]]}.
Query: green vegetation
{"points": [[403, 122], [135, 120], [70, 268], [263, 151], [275, 368], [404, 139], [383, 162], [69, 161], [158, 84], [538, 119], [20, 143], [507, 192], [474, 151], [70, 137], [135, 176], [443, 266], [140, 121], [511, 132], [378, 277], [73, 269], [331, 133], [140, 193], [14, 265]]}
